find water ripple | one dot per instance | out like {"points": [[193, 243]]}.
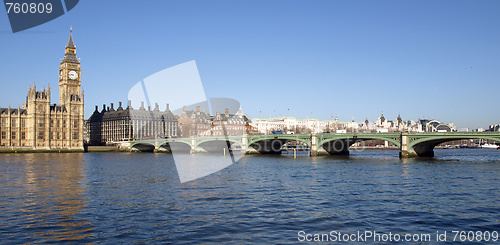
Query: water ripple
{"points": [[137, 198]]}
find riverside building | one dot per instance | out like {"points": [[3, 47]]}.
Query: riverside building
{"points": [[110, 124], [201, 123], [38, 124]]}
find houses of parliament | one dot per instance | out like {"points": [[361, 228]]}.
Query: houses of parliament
{"points": [[38, 124]]}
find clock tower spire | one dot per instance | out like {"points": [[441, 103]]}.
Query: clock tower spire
{"points": [[69, 74]]}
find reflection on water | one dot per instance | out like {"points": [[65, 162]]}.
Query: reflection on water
{"points": [[42, 195], [138, 198]]}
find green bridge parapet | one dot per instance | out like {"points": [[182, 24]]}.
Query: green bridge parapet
{"points": [[411, 144]]}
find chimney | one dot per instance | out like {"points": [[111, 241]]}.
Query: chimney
{"points": [[103, 107], [112, 107], [184, 109], [120, 103], [168, 107], [129, 103], [96, 108], [157, 107], [142, 106], [108, 108], [226, 112], [149, 108], [197, 109]]}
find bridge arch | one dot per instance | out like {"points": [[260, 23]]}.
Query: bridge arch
{"points": [[271, 144], [424, 146], [176, 146], [208, 140], [143, 147], [217, 145], [338, 144]]}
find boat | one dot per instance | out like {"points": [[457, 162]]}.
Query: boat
{"points": [[489, 146]]}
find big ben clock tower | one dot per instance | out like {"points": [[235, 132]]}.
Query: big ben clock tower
{"points": [[71, 97], [69, 75]]}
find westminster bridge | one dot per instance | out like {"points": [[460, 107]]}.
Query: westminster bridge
{"points": [[411, 144]]}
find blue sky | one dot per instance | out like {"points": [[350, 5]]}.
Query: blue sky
{"points": [[351, 59]]}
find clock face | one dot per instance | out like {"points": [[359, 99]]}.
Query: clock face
{"points": [[73, 75]]}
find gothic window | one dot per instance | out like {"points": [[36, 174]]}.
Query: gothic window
{"points": [[40, 135], [4, 122], [23, 135], [40, 108], [40, 122], [75, 124], [75, 135], [14, 123], [4, 135], [13, 135], [23, 123]]}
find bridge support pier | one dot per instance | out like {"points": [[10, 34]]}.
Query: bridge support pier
{"points": [[243, 144], [193, 145], [314, 146], [404, 152]]}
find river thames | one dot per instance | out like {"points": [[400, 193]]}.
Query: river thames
{"points": [[138, 198]]}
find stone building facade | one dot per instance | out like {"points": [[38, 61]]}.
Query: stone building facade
{"points": [[40, 125], [120, 124], [200, 123]]}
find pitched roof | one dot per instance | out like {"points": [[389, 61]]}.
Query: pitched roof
{"points": [[13, 111], [70, 58], [70, 42]]}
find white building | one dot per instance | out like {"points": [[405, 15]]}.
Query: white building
{"points": [[291, 124]]}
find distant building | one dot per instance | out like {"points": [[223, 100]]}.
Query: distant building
{"points": [[121, 124], [194, 123], [266, 126], [290, 124], [201, 123], [494, 128], [436, 126], [40, 125], [427, 125]]}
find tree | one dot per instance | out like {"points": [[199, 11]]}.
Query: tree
{"points": [[303, 130], [251, 130]]}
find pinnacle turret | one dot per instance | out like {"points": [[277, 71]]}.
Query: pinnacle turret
{"points": [[70, 42], [70, 53]]}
